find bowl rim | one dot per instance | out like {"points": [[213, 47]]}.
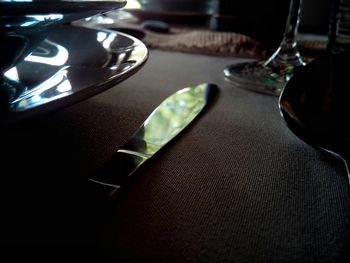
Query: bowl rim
{"points": [[22, 7]]}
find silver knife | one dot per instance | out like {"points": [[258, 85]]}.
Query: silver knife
{"points": [[170, 118]]}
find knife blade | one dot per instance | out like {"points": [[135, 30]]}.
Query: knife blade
{"points": [[168, 120]]}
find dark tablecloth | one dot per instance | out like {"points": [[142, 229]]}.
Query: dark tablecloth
{"points": [[236, 186]]}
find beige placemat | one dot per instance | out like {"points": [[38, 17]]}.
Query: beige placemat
{"points": [[311, 42], [206, 42]]}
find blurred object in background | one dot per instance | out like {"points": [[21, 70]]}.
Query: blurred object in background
{"points": [[192, 6], [315, 17], [175, 11], [264, 20], [185, 25], [339, 34]]}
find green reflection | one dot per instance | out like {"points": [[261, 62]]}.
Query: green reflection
{"points": [[169, 119]]}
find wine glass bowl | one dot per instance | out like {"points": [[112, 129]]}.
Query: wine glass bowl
{"points": [[314, 105]]}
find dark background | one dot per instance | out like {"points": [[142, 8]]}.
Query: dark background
{"points": [[264, 20]]}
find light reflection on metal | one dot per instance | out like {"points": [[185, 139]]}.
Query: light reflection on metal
{"points": [[31, 20], [58, 86], [65, 86], [45, 17], [12, 74], [17, 1], [104, 20], [101, 36], [137, 51], [170, 118], [108, 42], [109, 39], [115, 64], [133, 4], [118, 58], [23, 14], [58, 59], [61, 68]]}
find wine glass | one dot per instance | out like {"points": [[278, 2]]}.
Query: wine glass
{"points": [[270, 76]]}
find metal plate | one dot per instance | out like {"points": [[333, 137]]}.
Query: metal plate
{"points": [[71, 64]]}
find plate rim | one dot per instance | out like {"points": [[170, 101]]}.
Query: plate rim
{"points": [[87, 92]]}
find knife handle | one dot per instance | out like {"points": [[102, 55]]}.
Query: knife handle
{"points": [[116, 172]]}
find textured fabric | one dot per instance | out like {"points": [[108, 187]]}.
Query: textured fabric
{"points": [[206, 42], [236, 186]]}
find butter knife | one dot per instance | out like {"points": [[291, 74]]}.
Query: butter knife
{"points": [[171, 117]]}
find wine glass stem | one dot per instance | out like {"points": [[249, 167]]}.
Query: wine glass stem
{"points": [[291, 30], [287, 52]]}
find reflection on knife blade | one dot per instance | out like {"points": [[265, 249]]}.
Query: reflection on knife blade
{"points": [[164, 123]]}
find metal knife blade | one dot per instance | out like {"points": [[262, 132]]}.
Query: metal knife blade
{"points": [[171, 117]]}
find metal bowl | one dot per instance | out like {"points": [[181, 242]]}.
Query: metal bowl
{"points": [[25, 23]]}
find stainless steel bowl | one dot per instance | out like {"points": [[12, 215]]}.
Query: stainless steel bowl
{"points": [[24, 24]]}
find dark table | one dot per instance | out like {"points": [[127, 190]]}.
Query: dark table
{"points": [[236, 186]]}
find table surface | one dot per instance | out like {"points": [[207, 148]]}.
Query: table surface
{"points": [[237, 185]]}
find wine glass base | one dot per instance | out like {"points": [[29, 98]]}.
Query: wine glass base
{"points": [[258, 77]]}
